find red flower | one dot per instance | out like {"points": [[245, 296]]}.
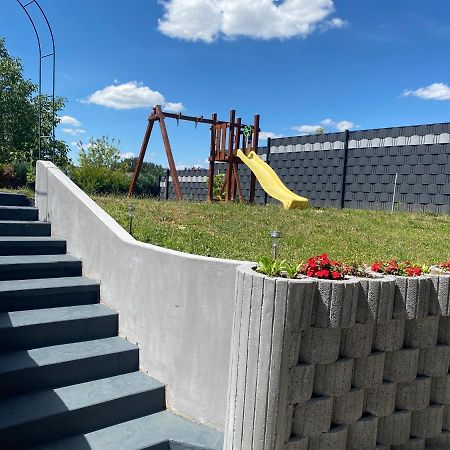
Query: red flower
{"points": [[336, 275], [376, 267]]}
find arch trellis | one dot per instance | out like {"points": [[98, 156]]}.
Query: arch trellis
{"points": [[42, 56]]}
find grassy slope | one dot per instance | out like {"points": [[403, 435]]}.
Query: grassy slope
{"points": [[241, 231]]}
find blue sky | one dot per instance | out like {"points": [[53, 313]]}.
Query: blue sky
{"points": [[299, 63]]}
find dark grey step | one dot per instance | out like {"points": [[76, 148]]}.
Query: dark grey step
{"points": [[162, 431], [38, 266], [21, 330], [62, 365], [24, 228], [35, 418], [18, 295], [10, 199], [19, 213], [31, 245]]}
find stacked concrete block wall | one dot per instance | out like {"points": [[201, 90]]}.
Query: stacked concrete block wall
{"points": [[313, 166], [357, 364]]}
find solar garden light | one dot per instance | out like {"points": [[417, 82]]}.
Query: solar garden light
{"points": [[131, 209], [276, 236]]}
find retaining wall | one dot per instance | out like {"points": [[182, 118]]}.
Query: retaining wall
{"points": [[356, 364], [177, 307], [313, 166]]}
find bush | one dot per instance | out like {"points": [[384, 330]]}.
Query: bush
{"points": [[13, 175], [100, 180]]}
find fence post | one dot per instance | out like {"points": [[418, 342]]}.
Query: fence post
{"points": [[269, 141], [344, 170], [167, 183]]}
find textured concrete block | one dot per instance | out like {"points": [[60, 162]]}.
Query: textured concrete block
{"points": [[427, 422], [444, 330], [334, 378], [414, 395], [446, 418], [421, 333], [368, 371], [334, 439], [289, 417], [335, 303], [440, 295], [356, 342], [376, 300], [412, 297], [362, 434], [401, 366], [348, 408], [320, 345], [441, 442], [389, 336], [434, 361], [380, 400], [440, 390], [394, 429], [412, 444], [297, 443], [312, 417], [301, 383]]}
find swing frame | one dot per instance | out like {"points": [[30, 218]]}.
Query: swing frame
{"points": [[226, 138]]}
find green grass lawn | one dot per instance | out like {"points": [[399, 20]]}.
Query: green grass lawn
{"points": [[238, 231]]}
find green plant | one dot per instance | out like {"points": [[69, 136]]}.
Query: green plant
{"points": [[217, 186], [100, 180], [276, 268]]}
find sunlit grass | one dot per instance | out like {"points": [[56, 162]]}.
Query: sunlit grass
{"points": [[239, 231]]}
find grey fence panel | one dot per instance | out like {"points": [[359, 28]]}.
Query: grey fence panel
{"points": [[312, 166]]}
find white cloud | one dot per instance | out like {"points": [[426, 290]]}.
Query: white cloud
{"points": [[268, 134], [344, 125], [130, 95], [74, 131], [307, 129], [127, 155], [435, 91], [69, 120], [340, 125], [206, 20]]}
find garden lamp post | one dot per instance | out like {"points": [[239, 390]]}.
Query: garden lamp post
{"points": [[276, 236], [131, 209]]}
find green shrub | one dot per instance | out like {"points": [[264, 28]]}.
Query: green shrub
{"points": [[100, 180], [13, 175]]}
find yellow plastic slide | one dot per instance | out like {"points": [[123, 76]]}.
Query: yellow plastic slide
{"points": [[270, 182]]}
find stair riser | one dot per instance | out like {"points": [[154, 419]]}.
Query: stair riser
{"points": [[55, 299], [31, 248], [71, 372], [84, 420], [25, 229], [18, 214], [13, 200], [33, 271], [53, 333]]}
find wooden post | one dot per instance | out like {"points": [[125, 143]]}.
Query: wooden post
{"points": [[137, 170], [229, 174], [212, 156], [255, 149], [165, 137], [235, 178]]}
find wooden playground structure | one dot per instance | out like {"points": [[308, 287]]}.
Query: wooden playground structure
{"points": [[226, 138]]}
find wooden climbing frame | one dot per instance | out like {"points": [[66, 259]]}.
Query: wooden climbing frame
{"points": [[226, 139]]}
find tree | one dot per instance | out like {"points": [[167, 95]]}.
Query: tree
{"points": [[148, 181], [19, 116], [100, 152]]}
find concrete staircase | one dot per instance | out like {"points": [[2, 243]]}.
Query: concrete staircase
{"points": [[67, 381]]}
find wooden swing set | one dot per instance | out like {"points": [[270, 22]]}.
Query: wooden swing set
{"points": [[226, 139]]}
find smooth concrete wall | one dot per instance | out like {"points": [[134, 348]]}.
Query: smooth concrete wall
{"points": [[177, 307]]}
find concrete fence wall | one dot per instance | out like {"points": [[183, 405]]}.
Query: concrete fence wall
{"points": [[178, 307], [357, 364], [313, 166]]}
